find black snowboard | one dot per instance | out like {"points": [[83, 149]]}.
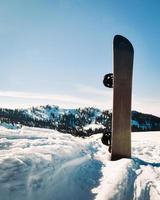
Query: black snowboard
{"points": [[121, 81]]}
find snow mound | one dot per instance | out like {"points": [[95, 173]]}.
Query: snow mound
{"points": [[44, 164], [137, 178]]}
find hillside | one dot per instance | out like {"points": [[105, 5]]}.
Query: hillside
{"points": [[75, 121]]}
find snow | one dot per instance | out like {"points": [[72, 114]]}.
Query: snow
{"points": [[46, 112], [137, 178], [44, 164], [93, 126], [10, 125]]}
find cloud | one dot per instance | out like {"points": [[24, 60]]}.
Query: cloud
{"points": [[94, 91], [97, 98], [146, 105], [59, 99]]}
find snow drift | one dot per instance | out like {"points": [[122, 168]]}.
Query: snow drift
{"points": [[44, 164]]}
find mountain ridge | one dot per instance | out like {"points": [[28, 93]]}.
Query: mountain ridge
{"points": [[79, 121]]}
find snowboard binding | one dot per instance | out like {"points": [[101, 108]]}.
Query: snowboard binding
{"points": [[108, 80], [106, 139]]}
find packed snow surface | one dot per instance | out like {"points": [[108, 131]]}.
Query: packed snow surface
{"points": [[47, 165], [93, 126]]}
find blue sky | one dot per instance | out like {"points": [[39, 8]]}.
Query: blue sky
{"points": [[57, 51]]}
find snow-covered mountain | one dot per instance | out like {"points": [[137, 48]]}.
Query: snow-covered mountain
{"points": [[75, 121], [44, 164]]}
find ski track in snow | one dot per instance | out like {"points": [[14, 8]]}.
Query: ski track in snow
{"points": [[47, 165]]}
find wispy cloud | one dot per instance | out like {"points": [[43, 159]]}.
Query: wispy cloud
{"points": [[97, 98], [30, 95], [146, 105], [56, 98], [94, 91]]}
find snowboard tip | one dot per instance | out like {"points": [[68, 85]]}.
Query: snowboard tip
{"points": [[119, 39]]}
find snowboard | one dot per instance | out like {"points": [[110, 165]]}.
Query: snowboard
{"points": [[121, 80]]}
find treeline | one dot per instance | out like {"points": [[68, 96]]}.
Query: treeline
{"points": [[145, 122], [74, 121]]}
